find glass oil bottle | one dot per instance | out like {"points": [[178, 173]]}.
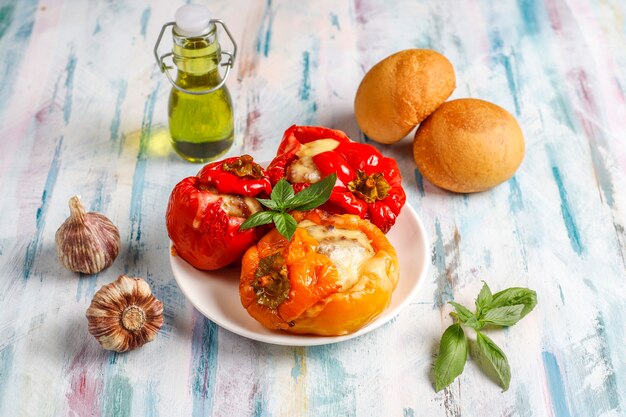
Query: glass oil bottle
{"points": [[200, 109]]}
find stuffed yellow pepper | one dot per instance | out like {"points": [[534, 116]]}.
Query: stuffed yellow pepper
{"points": [[333, 277]]}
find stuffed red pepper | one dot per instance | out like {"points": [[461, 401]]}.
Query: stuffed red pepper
{"points": [[368, 184], [204, 212]]}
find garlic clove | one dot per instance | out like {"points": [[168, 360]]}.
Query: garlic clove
{"points": [[124, 315], [86, 242]]}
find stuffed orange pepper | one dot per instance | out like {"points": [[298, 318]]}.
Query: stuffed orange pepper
{"points": [[335, 275]]}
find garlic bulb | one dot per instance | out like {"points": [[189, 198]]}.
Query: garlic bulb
{"points": [[86, 242], [124, 315]]}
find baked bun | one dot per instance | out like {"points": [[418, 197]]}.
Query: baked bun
{"points": [[335, 276], [401, 91], [468, 145]]}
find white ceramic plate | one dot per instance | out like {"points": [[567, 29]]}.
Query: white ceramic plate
{"points": [[216, 293]]}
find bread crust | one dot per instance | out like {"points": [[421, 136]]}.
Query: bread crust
{"points": [[468, 145], [400, 91]]}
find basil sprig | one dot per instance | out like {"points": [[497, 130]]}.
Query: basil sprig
{"points": [[284, 199], [502, 309], [452, 356]]}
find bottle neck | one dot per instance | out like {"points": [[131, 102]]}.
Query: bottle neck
{"points": [[197, 58]]}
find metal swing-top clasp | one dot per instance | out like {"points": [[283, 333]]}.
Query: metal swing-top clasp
{"points": [[227, 63]]}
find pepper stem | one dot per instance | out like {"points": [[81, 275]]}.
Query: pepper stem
{"points": [[369, 187], [77, 210], [133, 318], [244, 166], [271, 283]]}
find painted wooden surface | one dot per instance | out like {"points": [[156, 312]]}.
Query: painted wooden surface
{"points": [[83, 111]]}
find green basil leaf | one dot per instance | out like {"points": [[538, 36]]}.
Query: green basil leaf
{"points": [[452, 356], [257, 219], [270, 204], [474, 323], [483, 300], [503, 316], [285, 224], [282, 192], [462, 312], [514, 296], [495, 357], [313, 196]]}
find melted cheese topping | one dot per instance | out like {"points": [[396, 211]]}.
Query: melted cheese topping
{"points": [[303, 169], [347, 249], [233, 205], [238, 206]]}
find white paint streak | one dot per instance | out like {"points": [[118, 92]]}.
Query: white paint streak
{"points": [[580, 318]]}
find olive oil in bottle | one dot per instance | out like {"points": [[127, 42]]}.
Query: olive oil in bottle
{"points": [[200, 108]]}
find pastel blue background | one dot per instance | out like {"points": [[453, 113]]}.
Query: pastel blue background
{"points": [[83, 110]]}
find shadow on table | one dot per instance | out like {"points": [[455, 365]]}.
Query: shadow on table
{"points": [[345, 122], [153, 143]]}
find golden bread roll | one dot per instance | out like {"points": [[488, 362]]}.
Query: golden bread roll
{"points": [[401, 91], [468, 145]]}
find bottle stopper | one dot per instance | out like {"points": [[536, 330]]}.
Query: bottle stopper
{"points": [[192, 20]]}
